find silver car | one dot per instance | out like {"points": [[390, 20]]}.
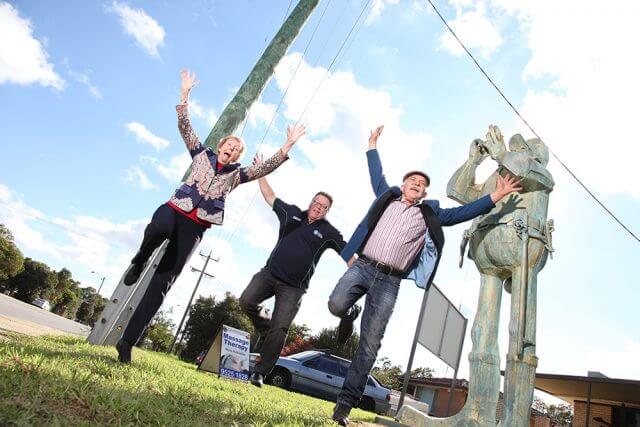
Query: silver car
{"points": [[42, 303], [321, 375]]}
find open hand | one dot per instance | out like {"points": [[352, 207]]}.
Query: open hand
{"points": [[258, 159], [374, 135], [188, 82], [507, 185], [295, 132], [495, 143]]}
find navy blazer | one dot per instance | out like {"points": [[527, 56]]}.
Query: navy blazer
{"points": [[424, 267]]}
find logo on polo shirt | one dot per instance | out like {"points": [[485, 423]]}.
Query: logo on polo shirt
{"points": [[317, 233]]}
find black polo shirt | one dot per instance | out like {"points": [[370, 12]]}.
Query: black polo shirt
{"points": [[300, 245]]}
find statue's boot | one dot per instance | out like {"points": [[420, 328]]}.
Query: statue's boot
{"points": [[518, 390], [520, 372], [484, 362]]}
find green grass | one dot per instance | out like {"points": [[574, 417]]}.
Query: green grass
{"points": [[65, 381]]}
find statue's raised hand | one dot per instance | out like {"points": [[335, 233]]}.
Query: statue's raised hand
{"points": [[495, 143], [477, 151]]}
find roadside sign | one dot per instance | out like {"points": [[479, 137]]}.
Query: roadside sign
{"points": [[229, 354]]}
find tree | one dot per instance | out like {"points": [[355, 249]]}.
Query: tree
{"points": [[91, 306], [388, 374], [35, 280], [561, 414], [422, 373], [297, 331], [11, 259], [68, 302], [298, 345], [327, 340], [99, 305], [159, 333], [206, 317]]}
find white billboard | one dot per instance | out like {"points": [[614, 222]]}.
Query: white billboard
{"points": [[443, 327]]}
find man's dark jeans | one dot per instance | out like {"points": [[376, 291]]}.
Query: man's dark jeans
{"points": [[381, 290], [263, 286]]}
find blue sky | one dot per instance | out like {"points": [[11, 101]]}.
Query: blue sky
{"points": [[90, 145]]}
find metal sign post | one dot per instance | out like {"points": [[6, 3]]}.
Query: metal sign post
{"points": [[441, 329]]}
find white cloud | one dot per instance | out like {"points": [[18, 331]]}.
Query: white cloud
{"points": [[338, 121], [261, 113], [474, 28], [86, 81], [174, 169], [377, 8], [135, 176], [23, 59], [87, 243], [588, 112], [208, 114], [149, 35], [144, 135]]}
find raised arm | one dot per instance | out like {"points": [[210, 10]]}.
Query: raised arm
{"points": [[184, 123], [378, 181], [267, 191], [532, 174], [257, 171], [462, 187]]}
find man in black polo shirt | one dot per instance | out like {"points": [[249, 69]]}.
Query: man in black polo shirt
{"points": [[302, 238]]}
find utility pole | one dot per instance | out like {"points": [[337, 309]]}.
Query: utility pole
{"points": [[193, 294]]}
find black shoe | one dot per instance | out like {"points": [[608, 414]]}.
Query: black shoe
{"points": [[133, 274], [124, 351], [345, 329], [341, 414], [256, 379]]}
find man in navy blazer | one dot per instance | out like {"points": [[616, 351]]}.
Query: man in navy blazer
{"points": [[401, 237]]}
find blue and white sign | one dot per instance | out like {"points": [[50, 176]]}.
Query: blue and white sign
{"points": [[229, 354], [234, 354]]}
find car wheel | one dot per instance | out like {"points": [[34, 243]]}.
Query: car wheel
{"points": [[367, 404], [279, 377]]}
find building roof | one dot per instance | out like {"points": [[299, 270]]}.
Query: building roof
{"points": [[438, 382], [613, 391]]}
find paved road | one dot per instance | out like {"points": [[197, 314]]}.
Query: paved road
{"points": [[21, 317]]}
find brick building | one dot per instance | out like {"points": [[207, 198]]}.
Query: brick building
{"points": [[435, 392], [601, 400]]}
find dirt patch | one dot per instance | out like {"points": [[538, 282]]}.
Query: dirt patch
{"points": [[25, 327]]}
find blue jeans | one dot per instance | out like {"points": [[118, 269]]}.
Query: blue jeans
{"points": [[382, 291]]}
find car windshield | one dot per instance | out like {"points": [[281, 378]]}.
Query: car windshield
{"points": [[303, 355]]}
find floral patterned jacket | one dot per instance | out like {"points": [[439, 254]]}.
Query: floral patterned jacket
{"points": [[204, 189]]}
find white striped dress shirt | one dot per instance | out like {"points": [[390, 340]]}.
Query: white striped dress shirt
{"points": [[398, 236]]}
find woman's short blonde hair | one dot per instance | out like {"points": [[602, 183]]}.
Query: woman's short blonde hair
{"points": [[237, 138]]}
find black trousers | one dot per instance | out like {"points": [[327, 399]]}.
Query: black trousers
{"points": [[184, 236], [263, 286]]}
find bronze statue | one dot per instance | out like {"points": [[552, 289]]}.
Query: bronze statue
{"points": [[509, 246]]}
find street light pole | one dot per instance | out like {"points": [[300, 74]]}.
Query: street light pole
{"points": [[193, 294], [101, 282]]}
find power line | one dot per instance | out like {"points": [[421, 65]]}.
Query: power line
{"points": [[515, 110], [333, 62]]}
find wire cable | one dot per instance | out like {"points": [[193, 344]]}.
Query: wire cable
{"points": [[515, 110]]}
